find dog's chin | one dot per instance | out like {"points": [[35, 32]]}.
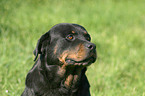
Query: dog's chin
{"points": [[83, 63]]}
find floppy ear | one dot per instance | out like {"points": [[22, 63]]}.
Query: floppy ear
{"points": [[38, 49]]}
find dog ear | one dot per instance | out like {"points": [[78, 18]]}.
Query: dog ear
{"points": [[38, 49]]}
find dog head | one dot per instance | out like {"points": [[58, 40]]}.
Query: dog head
{"points": [[66, 44]]}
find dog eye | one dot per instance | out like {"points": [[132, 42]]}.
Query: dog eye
{"points": [[70, 37]]}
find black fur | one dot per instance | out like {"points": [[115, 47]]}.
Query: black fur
{"points": [[63, 53]]}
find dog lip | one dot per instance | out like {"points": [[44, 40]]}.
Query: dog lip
{"points": [[85, 62]]}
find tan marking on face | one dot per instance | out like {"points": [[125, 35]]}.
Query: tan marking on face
{"points": [[85, 32], [63, 56], [55, 49], [62, 68], [78, 54], [81, 52], [73, 31], [68, 81]]}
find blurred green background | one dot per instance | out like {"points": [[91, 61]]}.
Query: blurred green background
{"points": [[117, 28]]}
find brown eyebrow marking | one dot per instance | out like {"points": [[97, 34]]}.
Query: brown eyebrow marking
{"points": [[85, 32], [73, 31]]}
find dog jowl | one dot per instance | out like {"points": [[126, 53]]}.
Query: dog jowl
{"points": [[62, 56]]}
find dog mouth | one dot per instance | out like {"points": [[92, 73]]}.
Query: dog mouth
{"points": [[86, 62]]}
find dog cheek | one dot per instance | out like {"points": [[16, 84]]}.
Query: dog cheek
{"points": [[82, 52], [63, 56], [78, 54], [55, 49]]}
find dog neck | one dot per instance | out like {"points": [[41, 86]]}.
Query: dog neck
{"points": [[68, 76], [72, 75]]}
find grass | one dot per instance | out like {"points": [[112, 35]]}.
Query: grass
{"points": [[117, 28]]}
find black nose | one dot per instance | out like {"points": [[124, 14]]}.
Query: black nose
{"points": [[91, 46]]}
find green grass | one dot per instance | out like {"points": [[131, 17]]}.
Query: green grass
{"points": [[117, 28]]}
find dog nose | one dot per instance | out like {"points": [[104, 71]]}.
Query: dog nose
{"points": [[91, 46]]}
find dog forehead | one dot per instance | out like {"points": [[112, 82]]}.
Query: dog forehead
{"points": [[66, 28]]}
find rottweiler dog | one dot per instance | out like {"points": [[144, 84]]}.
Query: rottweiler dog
{"points": [[62, 56]]}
